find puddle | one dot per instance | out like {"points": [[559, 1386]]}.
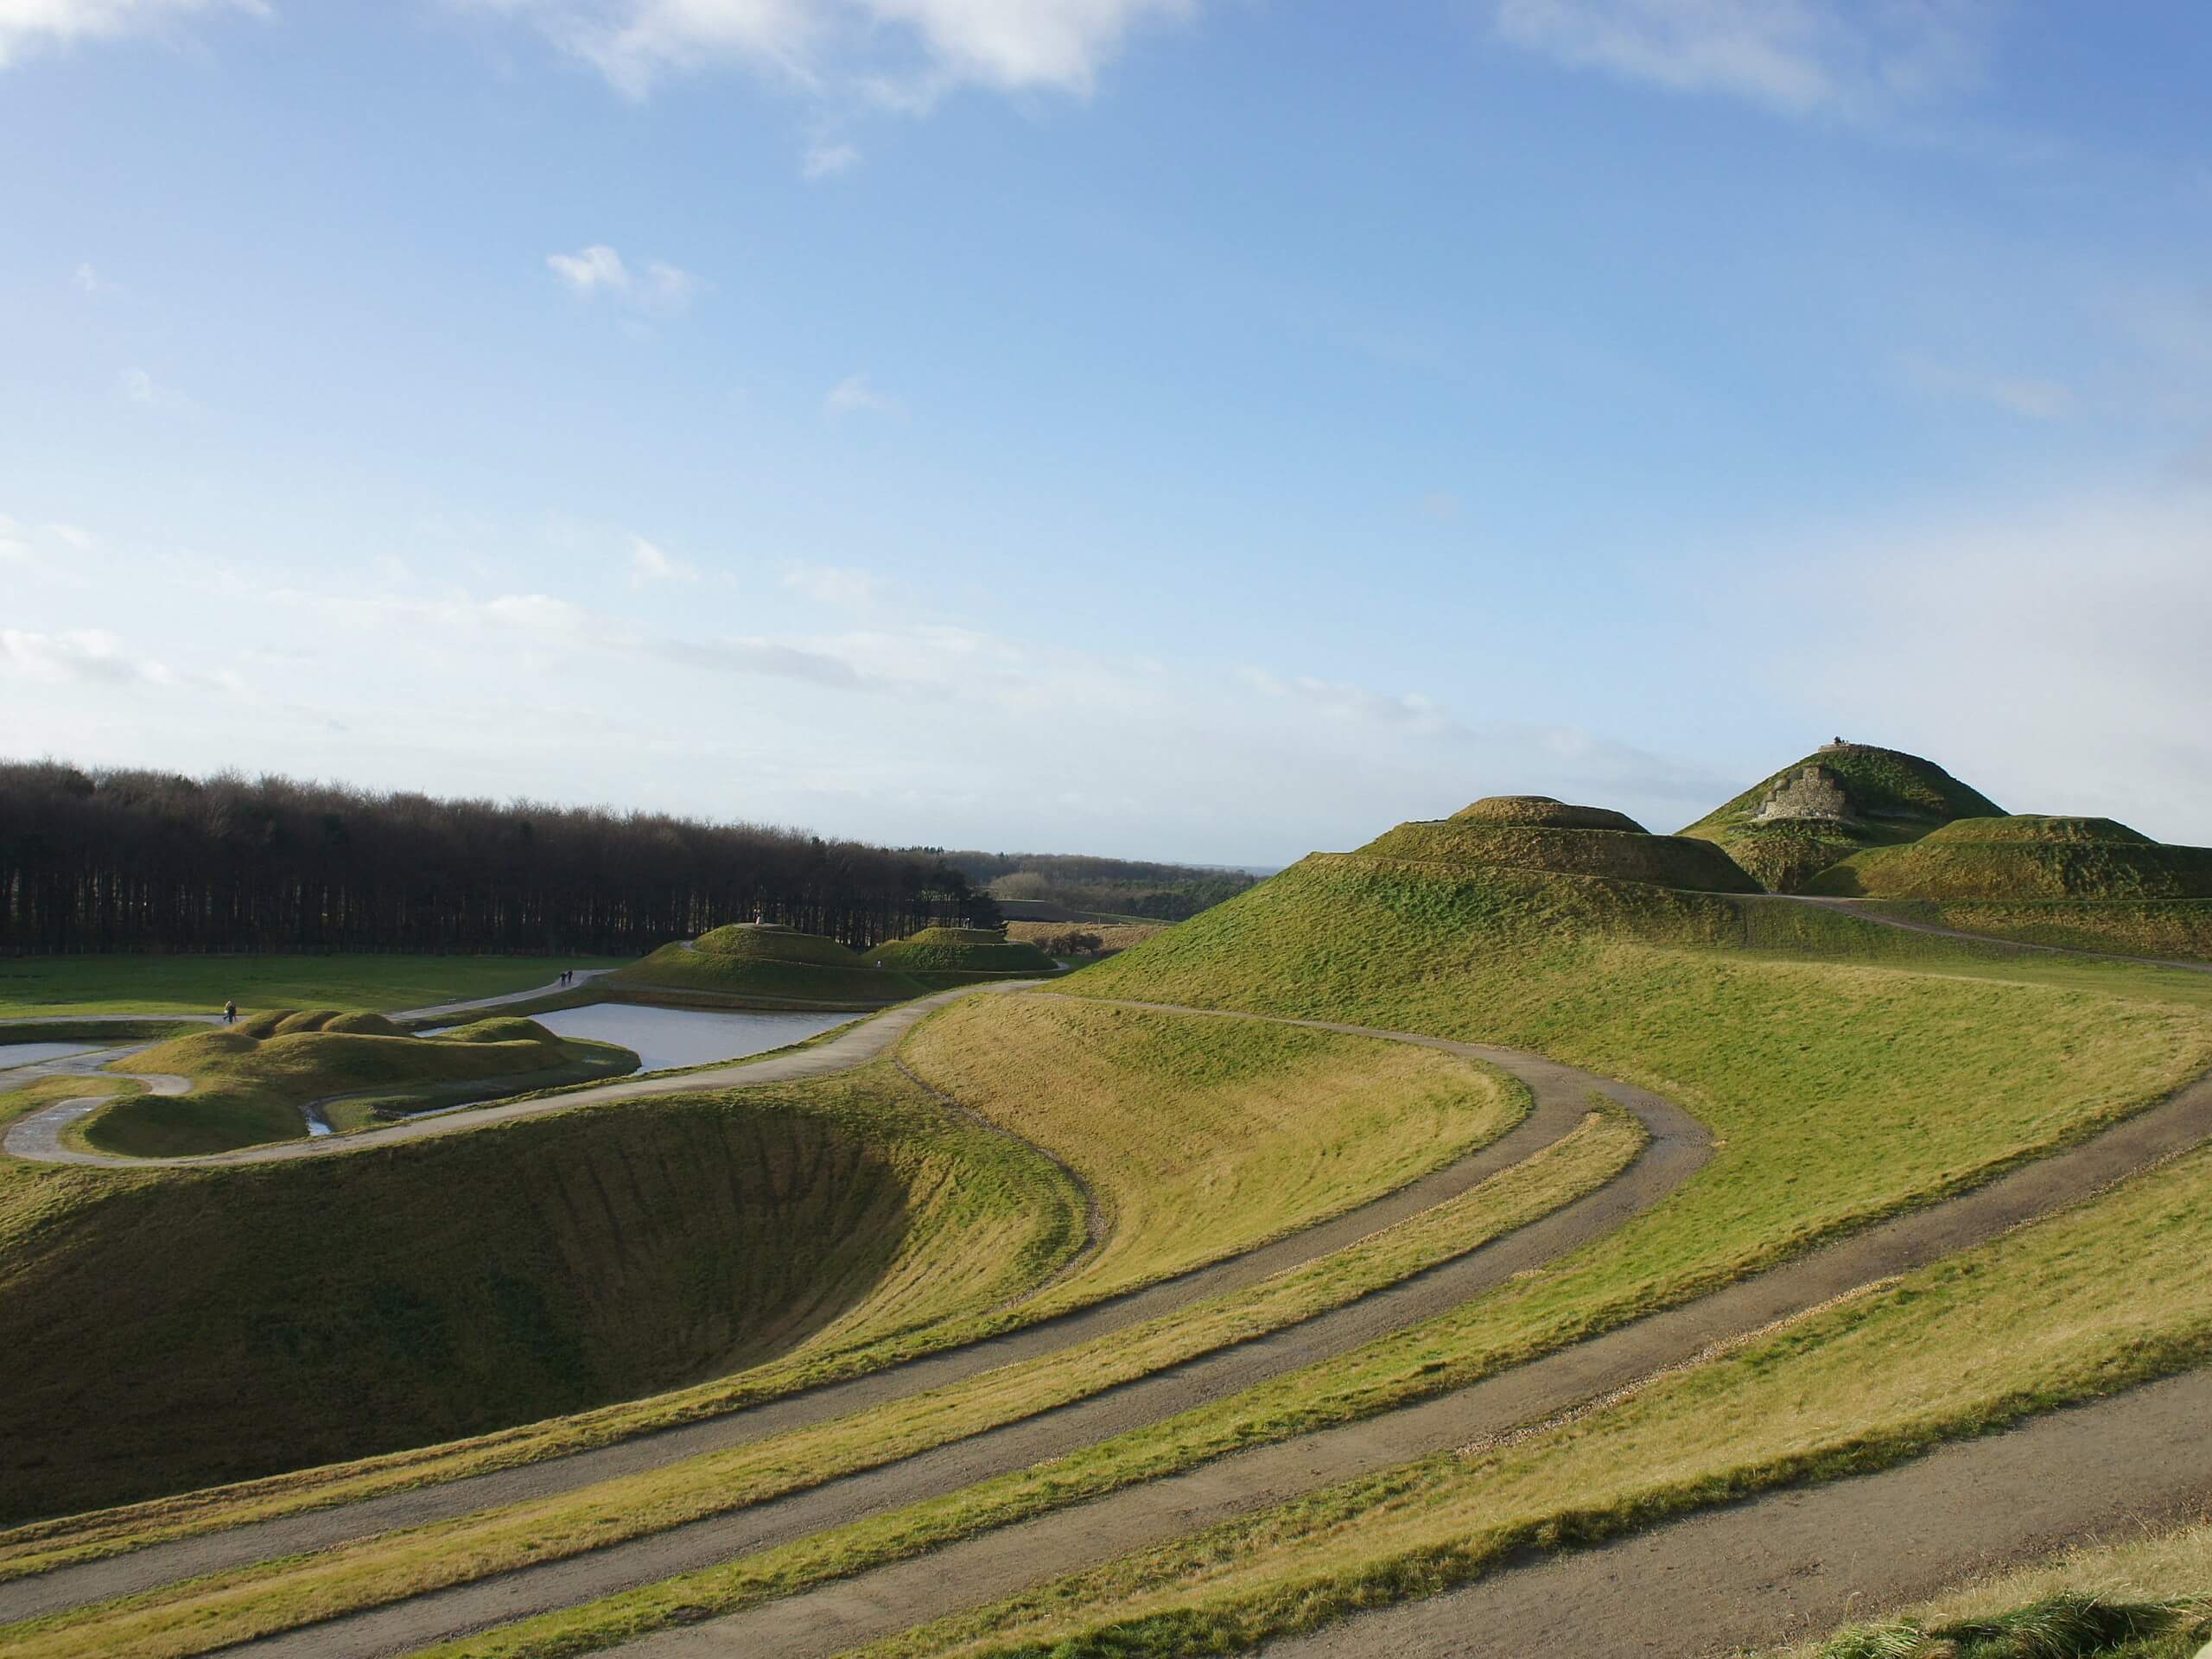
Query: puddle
{"points": [[663, 1037]]}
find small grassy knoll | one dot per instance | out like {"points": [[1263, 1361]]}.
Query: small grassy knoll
{"points": [[1849, 796], [944, 956], [768, 965], [43, 986], [252, 1080], [1201, 1137], [2025, 860]]}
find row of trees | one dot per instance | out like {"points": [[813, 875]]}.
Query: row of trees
{"points": [[1121, 886], [143, 860]]}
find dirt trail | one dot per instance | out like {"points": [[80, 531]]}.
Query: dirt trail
{"points": [[1561, 1096], [993, 1565], [1795, 1564]]}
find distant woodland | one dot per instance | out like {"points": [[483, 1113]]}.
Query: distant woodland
{"points": [[95, 860], [1074, 886]]}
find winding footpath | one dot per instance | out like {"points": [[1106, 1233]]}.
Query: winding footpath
{"points": [[1780, 1563]]}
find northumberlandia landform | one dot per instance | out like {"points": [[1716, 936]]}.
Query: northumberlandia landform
{"points": [[1312, 1276]]}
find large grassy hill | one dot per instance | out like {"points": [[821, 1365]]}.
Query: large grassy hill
{"points": [[765, 965], [252, 1080], [1881, 798]]}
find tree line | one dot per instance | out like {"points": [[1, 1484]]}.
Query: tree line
{"points": [[1120, 887], [120, 859]]}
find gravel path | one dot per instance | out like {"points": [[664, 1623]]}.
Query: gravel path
{"points": [[1561, 1096], [1795, 1564], [990, 1566]]}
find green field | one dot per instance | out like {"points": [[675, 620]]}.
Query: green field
{"points": [[37, 987], [252, 1080]]}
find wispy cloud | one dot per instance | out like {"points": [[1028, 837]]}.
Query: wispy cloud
{"points": [[1339, 701], [26, 25], [94, 657], [86, 279], [905, 52], [1848, 58], [650, 564], [2027, 396], [856, 394], [827, 161], [832, 584], [659, 288], [139, 387]]}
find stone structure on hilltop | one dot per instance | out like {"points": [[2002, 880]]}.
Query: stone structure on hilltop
{"points": [[1811, 792]]}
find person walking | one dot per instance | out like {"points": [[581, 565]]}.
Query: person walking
{"points": [[230, 1013]]}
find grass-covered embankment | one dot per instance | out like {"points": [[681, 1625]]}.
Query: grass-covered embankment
{"points": [[252, 1080], [43, 986], [162, 1330], [2024, 859], [2175, 929], [1199, 1138], [766, 966], [2115, 1292]]}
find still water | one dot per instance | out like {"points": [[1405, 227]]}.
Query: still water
{"points": [[670, 1037]]}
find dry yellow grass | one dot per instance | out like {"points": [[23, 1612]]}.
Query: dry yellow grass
{"points": [[1202, 1137]]}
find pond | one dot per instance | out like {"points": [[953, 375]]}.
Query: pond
{"points": [[671, 1036], [15, 1054]]}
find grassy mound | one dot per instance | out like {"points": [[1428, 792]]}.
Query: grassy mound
{"points": [[955, 955], [1201, 1137], [760, 963], [2021, 859], [1542, 810], [1848, 798], [2177, 930], [200, 983], [200, 1325], [1616, 854], [250, 1080]]}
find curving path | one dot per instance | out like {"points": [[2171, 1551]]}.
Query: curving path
{"points": [[1561, 1097], [990, 1566]]}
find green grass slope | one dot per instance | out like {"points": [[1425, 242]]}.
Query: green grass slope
{"points": [[250, 1080], [1889, 796], [33, 986], [1581, 849], [165, 1329], [1543, 810], [2023, 860], [952, 955], [766, 965]]}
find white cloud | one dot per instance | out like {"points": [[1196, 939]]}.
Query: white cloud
{"points": [[831, 584], [827, 161], [2053, 656], [91, 655], [903, 52], [141, 388], [661, 288], [2030, 397], [1339, 701], [1853, 58], [26, 24], [73, 536], [86, 277], [648, 564], [855, 395], [13, 548]]}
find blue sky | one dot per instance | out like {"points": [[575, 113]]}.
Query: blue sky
{"points": [[1206, 429]]}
